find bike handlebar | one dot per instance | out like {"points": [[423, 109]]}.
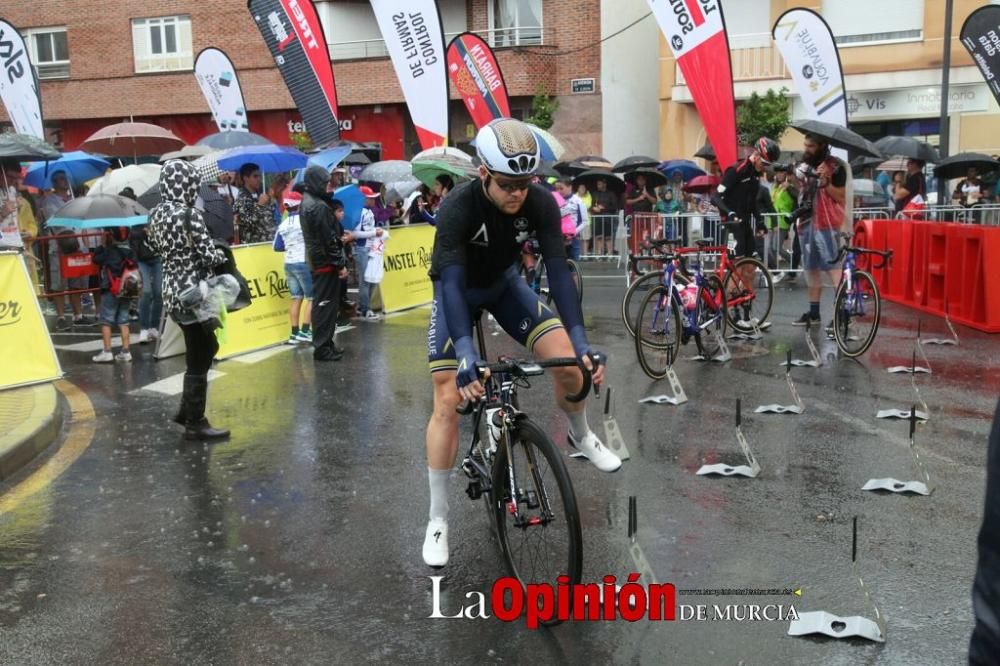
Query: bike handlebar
{"points": [[522, 368]]}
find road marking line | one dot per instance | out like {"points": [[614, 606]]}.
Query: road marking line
{"points": [[78, 439], [258, 356], [90, 345], [172, 385]]}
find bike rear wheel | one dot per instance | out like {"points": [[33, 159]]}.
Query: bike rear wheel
{"points": [[575, 275], [751, 299], [856, 315], [544, 541], [657, 333], [637, 292], [712, 316]]}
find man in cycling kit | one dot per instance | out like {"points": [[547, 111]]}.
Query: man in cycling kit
{"points": [[481, 227], [737, 196]]}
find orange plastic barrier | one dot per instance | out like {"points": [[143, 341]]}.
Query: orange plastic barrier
{"points": [[939, 268]]}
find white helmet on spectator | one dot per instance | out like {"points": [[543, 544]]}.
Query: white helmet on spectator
{"points": [[508, 146]]}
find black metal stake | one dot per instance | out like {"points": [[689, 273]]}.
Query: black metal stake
{"points": [[854, 542], [739, 415], [607, 401], [913, 422]]}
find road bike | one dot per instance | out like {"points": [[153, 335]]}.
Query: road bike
{"points": [[521, 476], [858, 305], [672, 314], [646, 272], [536, 282]]}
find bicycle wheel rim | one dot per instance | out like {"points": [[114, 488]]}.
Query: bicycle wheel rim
{"points": [[633, 299], [574, 272], [541, 552], [743, 310], [658, 333], [712, 319], [856, 315]]}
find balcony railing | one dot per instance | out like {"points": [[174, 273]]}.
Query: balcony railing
{"points": [[754, 57], [498, 38]]}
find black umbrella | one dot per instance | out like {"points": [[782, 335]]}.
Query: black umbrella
{"points": [[357, 158], [706, 152], [837, 136], [227, 140], [653, 177], [860, 163], [217, 213], [956, 166], [547, 170], [26, 148], [570, 168], [590, 178], [635, 162], [99, 210], [594, 161], [906, 146]]}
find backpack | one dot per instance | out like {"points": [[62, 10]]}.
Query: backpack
{"points": [[129, 283]]}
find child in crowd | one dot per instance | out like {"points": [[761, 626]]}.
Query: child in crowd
{"points": [[120, 285], [289, 240]]}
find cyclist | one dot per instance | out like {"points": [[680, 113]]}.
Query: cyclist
{"points": [[737, 199], [481, 227]]}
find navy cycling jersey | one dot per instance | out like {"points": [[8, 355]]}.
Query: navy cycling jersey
{"points": [[475, 234]]}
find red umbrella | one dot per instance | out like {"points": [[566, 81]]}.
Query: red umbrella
{"points": [[702, 184], [132, 140]]}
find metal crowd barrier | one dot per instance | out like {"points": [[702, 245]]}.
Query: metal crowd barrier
{"points": [[986, 214], [48, 255]]}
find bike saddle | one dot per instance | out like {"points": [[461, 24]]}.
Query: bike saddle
{"points": [[660, 242], [705, 242]]}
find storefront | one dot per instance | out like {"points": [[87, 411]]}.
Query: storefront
{"points": [[381, 124]]}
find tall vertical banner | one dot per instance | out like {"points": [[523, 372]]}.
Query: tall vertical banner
{"points": [[696, 32], [294, 35], [28, 356], [19, 85], [981, 37], [221, 87], [810, 52], [414, 36], [473, 70]]}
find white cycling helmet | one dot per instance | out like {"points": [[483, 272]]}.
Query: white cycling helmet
{"points": [[508, 146]]}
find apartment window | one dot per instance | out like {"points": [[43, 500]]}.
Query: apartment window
{"points": [[49, 52], [162, 44], [866, 23], [515, 22]]}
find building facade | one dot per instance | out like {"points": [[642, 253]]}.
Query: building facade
{"points": [[101, 62], [892, 54]]}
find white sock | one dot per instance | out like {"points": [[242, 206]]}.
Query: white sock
{"points": [[439, 492], [578, 427]]}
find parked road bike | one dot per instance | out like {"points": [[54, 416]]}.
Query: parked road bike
{"points": [[858, 304], [531, 249], [520, 474], [672, 313]]}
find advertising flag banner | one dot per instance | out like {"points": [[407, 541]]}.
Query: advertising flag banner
{"points": [[696, 32], [415, 39], [473, 70], [981, 37], [28, 354], [221, 87], [19, 85], [294, 35], [810, 52]]}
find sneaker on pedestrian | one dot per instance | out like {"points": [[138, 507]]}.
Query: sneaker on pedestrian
{"points": [[63, 324], [293, 339], [143, 336], [436, 543], [806, 320], [304, 336], [84, 320], [104, 357], [777, 277], [154, 334], [371, 315], [125, 356], [596, 452]]}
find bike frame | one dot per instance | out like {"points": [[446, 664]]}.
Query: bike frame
{"points": [[856, 299], [690, 318]]}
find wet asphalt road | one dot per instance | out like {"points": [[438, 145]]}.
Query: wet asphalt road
{"points": [[298, 541]]}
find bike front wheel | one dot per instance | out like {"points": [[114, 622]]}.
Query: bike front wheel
{"points": [[657, 333], [536, 513], [750, 294], [856, 315], [712, 316], [637, 291]]}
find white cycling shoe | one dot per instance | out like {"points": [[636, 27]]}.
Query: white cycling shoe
{"points": [[436, 543], [596, 452]]}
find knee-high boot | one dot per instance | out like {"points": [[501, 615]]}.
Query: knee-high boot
{"points": [[196, 426]]}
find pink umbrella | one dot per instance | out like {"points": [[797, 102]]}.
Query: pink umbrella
{"points": [[702, 184], [132, 140]]}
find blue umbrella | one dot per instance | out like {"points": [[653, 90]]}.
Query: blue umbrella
{"points": [[327, 159], [78, 165], [271, 159], [687, 168], [353, 201]]}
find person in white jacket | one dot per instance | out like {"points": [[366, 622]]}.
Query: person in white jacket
{"points": [[366, 229]]}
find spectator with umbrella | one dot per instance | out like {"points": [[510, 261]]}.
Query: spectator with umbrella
{"points": [[151, 269], [178, 234], [606, 204], [56, 198], [639, 198], [253, 219], [914, 186], [365, 230]]}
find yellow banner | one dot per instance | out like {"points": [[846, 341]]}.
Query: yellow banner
{"points": [[265, 321], [407, 259], [25, 345]]}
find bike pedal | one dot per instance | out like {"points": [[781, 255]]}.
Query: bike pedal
{"points": [[474, 490], [470, 469]]}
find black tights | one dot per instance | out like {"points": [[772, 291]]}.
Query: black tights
{"points": [[201, 348]]}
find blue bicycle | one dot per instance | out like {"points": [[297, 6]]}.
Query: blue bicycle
{"points": [[858, 306], [672, 314]]}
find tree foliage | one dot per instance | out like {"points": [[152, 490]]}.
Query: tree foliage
{"points": [[543, 109], [766, 115]]}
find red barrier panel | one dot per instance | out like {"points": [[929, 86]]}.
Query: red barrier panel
{"points": [[937, 263], [899, 237], [918, 262], [990, 282]]}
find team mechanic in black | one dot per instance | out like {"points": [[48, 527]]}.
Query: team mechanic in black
{"points": [[736, 199], [481, 227]]}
